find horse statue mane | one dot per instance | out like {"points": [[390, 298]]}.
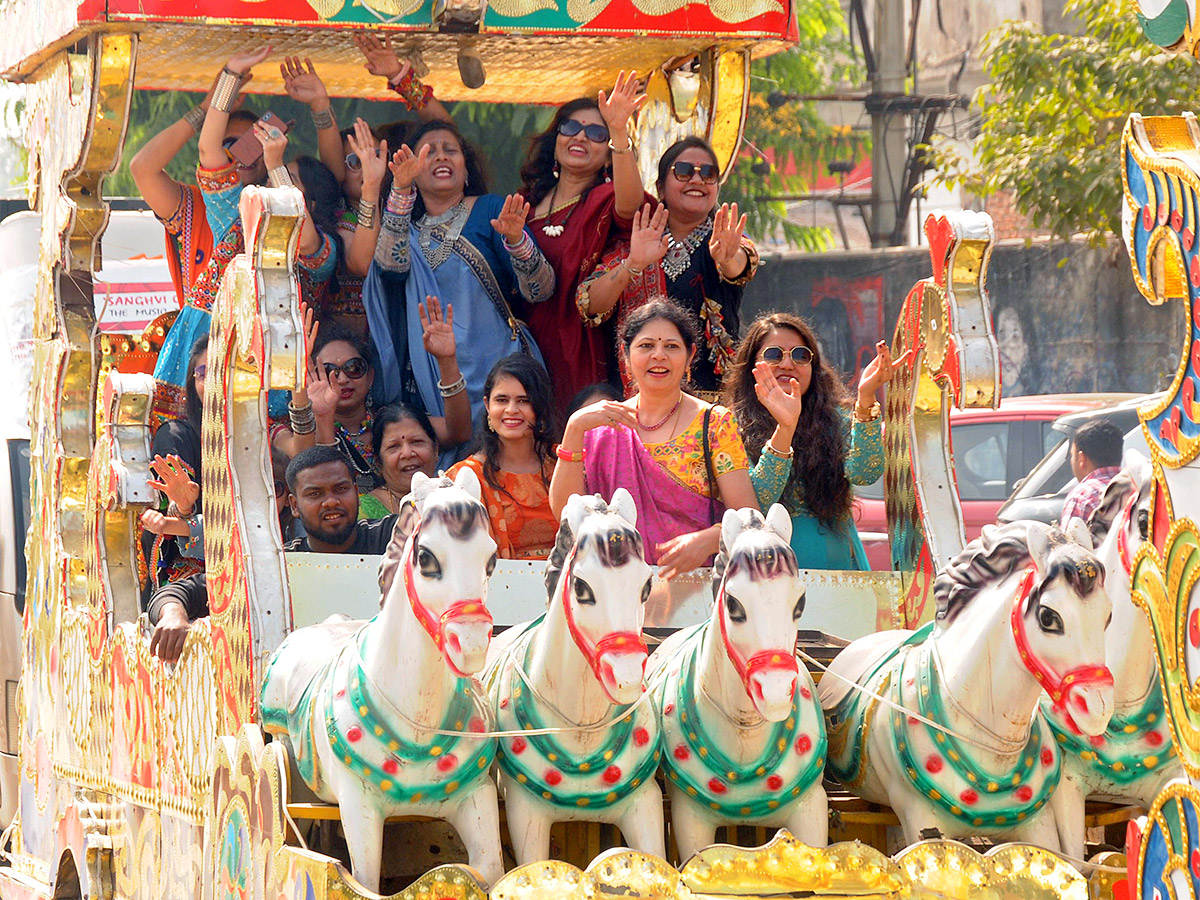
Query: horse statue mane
{"points": [[1000, 551], [1136, 476], [619, 545], [767, 557]]}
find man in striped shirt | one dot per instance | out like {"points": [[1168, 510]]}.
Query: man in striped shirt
{"points": [[1095, 456]]}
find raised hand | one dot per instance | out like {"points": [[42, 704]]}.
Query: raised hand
{"points": [[381, 59], [510, 223], [374, 159], [244, 62], [878, 372], [726, 239], [626, 98], [406, 166], [274, 142], [606, 412], [437, 331], [648, 238], [783, 403], [174, 481], [302, 84]]}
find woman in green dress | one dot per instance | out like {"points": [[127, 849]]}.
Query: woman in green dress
{"points": [[806, 445]]}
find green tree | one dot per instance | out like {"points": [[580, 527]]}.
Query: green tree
{"points": [[1053, 112]]}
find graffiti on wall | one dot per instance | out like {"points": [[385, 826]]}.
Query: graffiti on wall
{"points": [[847, 315]]}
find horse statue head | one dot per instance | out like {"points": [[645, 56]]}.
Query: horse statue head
{"points": [[759, 603], [444, 565], [1058, 615], [599, 581]]}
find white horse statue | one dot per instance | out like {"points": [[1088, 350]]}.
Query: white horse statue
{"points": [[571, 681], [381, 716], [949, 735], [1135, 757], [742, 732]]}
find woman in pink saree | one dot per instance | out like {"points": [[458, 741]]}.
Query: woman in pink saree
{"points": [[680, 458]]}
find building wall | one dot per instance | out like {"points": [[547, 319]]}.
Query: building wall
{"points": [[1068, 316]]}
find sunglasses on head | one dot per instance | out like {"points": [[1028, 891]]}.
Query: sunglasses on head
{"points": [[354, 368], [597, 134], [354, 163], [774, 355], [685, 170]]}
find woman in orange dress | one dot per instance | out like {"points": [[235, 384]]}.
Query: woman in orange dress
{"points": [[515, 457]]}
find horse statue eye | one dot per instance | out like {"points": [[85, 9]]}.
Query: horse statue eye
{"points": [[1050, 621], [798, 610], [1143, 524], [646, 591], [583, 593], [428, 564], [491, 565], [737, 612]]}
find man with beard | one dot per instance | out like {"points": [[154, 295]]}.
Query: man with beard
{"points": [[324, 497]]}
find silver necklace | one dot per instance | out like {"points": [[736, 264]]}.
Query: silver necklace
{"points": [[446, 229], [679, 253]]}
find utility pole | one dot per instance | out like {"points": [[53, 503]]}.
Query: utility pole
{"points": [[889, 124]]}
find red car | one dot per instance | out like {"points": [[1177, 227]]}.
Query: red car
{"points": [[993, 450]]}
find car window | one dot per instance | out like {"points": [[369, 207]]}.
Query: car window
{"points": [[1051, 437], [981, 460]]}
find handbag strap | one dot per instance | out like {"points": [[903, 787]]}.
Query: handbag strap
{"points": [[708, 466]]}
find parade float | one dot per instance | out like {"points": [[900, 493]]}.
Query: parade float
{"points": [[285, 758]]}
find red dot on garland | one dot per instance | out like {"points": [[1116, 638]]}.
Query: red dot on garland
{"points": [[803, 744], [1154, 739], [1047, 756], [669, 708], [1096, 740], [1024, 793], [447, 762], [389, 766], [774, 782], [518, 745], [716, 785], [641, 736], [553, 777], [912, 720], [354, 734], [612, 774], [805, 692], [682, 753], [340, 694], [969, 797], [475, 725], [504, 703], [933, 764], [1176, 219]]}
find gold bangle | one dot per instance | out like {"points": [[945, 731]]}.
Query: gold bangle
{"points": [[628, 148], [870, 414]]}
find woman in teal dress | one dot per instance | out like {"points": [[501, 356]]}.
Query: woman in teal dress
{"points": [[807, 447]]}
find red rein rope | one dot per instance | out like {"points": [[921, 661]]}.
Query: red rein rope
{"points": [[435, 626], [613, 642], [780, 659], [1060, 690]]}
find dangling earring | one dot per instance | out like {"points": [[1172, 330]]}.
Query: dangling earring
{"points": [[466, 179], [488, 421], [608, 174], [556, 170]]}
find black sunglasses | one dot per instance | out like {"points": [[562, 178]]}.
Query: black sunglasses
{"points": [[354, 368], [685, 170], [354, 163], [597, 134], [774, 355]]}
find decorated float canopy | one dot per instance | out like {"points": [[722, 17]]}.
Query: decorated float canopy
{"points": [[532, 51]]}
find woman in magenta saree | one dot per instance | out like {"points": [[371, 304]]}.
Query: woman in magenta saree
{"points": [[680, 458]]}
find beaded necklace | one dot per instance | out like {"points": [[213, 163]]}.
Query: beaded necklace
{"points": [[679, 252]]}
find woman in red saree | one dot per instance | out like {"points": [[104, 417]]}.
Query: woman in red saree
{"points": [[680, 458], [575, 209]]}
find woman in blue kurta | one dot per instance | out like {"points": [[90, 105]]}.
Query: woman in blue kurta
{"points": [[443, 235], [806, 446]]}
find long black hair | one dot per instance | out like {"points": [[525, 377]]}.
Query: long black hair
{"points": [[532, 376], [477, 180], [539, 173], [819, 445], [194, 403]]}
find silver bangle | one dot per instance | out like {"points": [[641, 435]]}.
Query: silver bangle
{"points": [[322, 119], [302, 419], [279, 176], [366, 214], [449, 390], [225, 93], [195, 118]]}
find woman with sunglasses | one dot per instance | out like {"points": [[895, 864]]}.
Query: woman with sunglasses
{"points": [[445, 235], [342, 361], [575, 210], [806, 445], [688, 249]]}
